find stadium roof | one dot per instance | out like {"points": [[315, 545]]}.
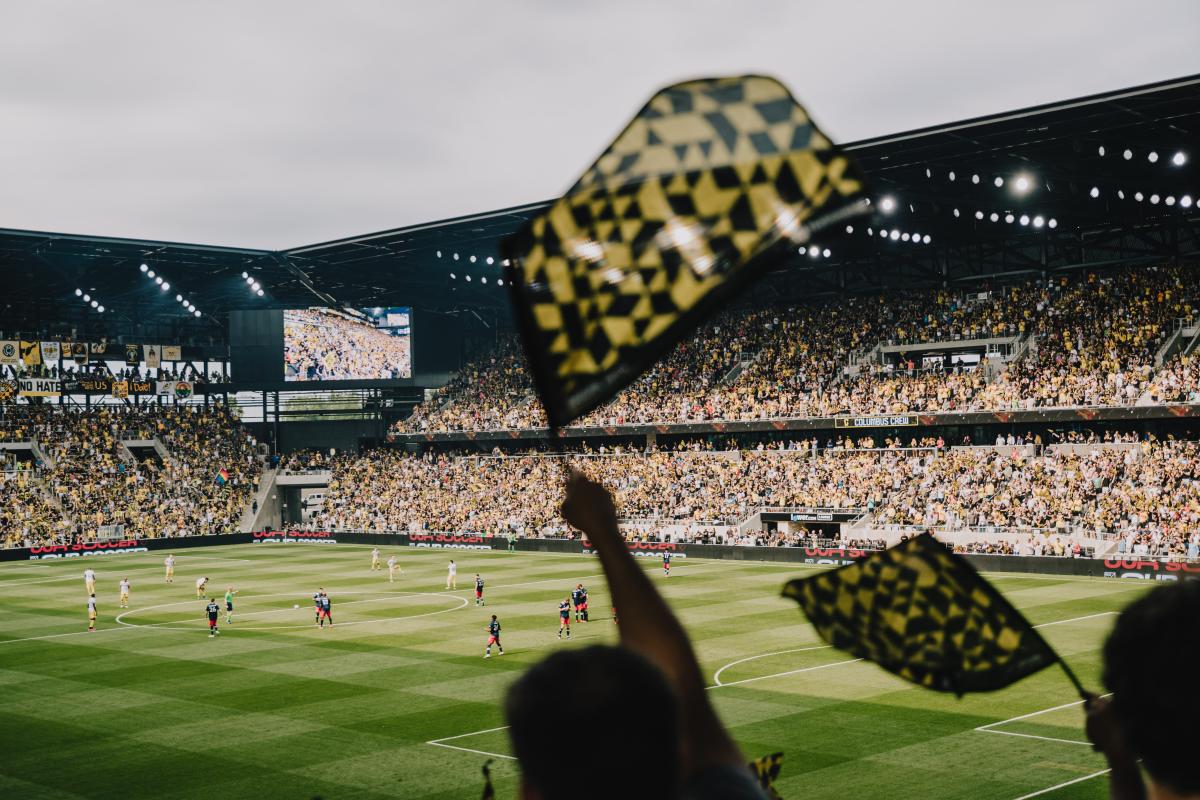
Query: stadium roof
{"points": [[1095, 180]]}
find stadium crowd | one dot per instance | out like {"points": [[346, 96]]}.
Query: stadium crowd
{"points": [[327, 345], [1147, 494], [89, 479], [1091, 341]]}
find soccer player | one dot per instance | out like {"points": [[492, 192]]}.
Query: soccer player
{"points": [[326, 610], [214, 612], [89, 580], [666, 564], [577, 600], [452, 576], [229, 593], [124, 601], [479, 590], [317, 605], [493, 630], [169, 563], [201, 585], [375, 558], [564, 617], [392, 567], [581, 606], [91, 613]]}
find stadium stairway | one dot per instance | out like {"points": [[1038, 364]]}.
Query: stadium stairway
{"points": [[267, 513]]}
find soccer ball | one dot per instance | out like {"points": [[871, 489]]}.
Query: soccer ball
{"points": [[295, 605]]}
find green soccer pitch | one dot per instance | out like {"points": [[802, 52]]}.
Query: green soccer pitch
{"points": [[398, 701]]}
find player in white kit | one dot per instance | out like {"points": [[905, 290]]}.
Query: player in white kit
{"points": [[89, 580], [393, 568], [124, 602], [169, 563], [452, 576]]}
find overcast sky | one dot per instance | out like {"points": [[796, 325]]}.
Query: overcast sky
{"points": [[276, 124]]}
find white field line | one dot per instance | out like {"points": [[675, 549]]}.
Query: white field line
{"points": [[1049, 789], [442, 742], [717, 674], [991, 726]]}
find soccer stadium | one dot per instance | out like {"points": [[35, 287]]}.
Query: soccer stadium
{"points": [[908, 467]]}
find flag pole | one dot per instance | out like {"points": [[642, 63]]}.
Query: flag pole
{"points": [[1084, 693]]}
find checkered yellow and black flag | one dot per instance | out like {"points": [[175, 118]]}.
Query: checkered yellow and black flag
{"points": [[711, 183], [924, 613]]}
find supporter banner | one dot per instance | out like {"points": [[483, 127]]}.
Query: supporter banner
{"points": [[10, 352], [152, 355], [120, 389], [883, 421], [132, 355], [141, 387], [98, 348], [8, 390], [50, 353], [79, 352], [164, 387], [91, 385], [31, 354], [171, 352], [182, 390], [290, 537], [40, 387], [450, 541]]}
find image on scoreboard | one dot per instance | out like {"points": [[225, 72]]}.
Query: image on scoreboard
{"points": [[329, 344]]}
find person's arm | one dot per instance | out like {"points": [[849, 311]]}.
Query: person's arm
{"points": [[648, 625], [1125, 779]]}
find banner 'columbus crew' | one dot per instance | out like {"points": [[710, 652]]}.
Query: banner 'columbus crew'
{"points": [[711, 182]]}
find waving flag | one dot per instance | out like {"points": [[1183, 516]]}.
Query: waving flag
{"points": [[711, 183], [222, 476], [923, 613]]}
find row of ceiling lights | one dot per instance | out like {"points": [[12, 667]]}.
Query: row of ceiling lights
{"points": [[489, 260], [1178, 159], [1037, 220], [91, 301], [1185, 201], [165, 286], [255, 286], [483, 279]]}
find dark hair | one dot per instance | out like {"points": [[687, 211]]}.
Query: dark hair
{"points": [[1150, 666], [617, 699]]}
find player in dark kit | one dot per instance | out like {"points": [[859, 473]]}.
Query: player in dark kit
{"points": [[317, 606], [326, 609], [493, 630], [666, 563], [479, 590], [214, 613], [564, 618], [579, 600]]}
